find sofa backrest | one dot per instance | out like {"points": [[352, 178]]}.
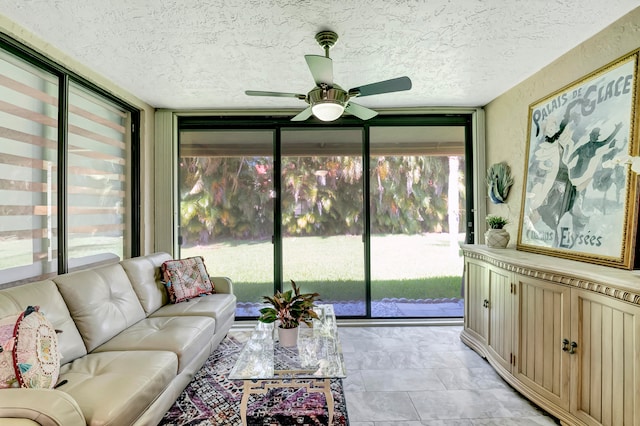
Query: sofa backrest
{"points": [[101, 302], [45, 294], [144, 274]]}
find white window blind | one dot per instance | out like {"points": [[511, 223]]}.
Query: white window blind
{"points": [[96, 179], [28, 170]]}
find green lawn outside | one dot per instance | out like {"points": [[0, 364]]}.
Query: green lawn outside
{"points": [[429, 288], [425, 266]]}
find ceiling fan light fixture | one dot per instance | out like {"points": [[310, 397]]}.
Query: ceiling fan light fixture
{"points": [[327, 111], [328, 103]]}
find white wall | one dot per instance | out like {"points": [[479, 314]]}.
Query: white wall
{"points": [[146, 120], [507, 115]]}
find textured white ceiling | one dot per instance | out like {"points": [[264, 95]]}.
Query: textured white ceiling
{"points": [[204, 54]]}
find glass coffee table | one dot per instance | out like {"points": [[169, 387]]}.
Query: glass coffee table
{"points": [[263, 364]]}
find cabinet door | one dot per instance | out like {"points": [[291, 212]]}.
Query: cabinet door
{"points": [[501, 305], [543, 324], [605, 368], [476, 300]]}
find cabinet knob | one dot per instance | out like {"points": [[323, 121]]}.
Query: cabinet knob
{"points": [[565, 345], [574, 345]]}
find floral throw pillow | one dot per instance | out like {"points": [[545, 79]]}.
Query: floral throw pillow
{"points": [[186, 279], [29, 355]]}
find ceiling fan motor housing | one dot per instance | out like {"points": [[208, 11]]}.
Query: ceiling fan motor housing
{"points": [[323, 95]]}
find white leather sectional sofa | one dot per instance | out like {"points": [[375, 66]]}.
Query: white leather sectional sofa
{"points": [[127, 353]]}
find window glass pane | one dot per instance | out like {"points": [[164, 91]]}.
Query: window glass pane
{"points": [[323, 216], [97, 179], [226, 208], [417, 199], [28, 167]]}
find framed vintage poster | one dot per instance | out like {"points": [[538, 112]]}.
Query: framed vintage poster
{"points": [[580, 196]]}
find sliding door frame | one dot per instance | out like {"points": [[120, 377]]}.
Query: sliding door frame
{"points": [[169, 123]]}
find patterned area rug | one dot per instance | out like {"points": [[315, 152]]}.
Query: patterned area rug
{"points": [[212, 399]]}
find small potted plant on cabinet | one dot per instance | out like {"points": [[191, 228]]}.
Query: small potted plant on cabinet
{"points": [[496, 236], [290, 309]]}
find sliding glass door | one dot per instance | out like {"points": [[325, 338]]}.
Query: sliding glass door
{"points": [[370, 216], [323, 217], [417, 199], [226, 208]]}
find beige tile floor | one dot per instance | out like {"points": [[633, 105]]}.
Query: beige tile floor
{"points": [[424, 375]]}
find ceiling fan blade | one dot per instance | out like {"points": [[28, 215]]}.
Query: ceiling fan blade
{"points": [[394, 85], [321, 68], [277, 94], [359, 111], [306, 113]]}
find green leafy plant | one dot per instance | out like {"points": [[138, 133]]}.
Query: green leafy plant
{"points": [[496, 222], [290, 308]]}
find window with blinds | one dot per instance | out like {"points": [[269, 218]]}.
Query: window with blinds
{"points": [[65, 190], [28, 170], [96, 178]]}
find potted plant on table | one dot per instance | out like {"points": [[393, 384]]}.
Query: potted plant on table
{"points": [[496, 236], [290, 309]]}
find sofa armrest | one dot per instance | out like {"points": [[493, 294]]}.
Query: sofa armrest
{"points": [[222, 285], [46, 407]]}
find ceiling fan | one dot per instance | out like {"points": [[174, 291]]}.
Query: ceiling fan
{"points": [[327, 101]]}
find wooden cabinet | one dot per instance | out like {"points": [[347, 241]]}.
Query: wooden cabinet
{"points": [[542, 327], [565, 334], [501, 305], [489, 310], [476, 315], [605, 370]]}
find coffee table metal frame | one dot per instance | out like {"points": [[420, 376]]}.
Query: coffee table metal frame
{"points": [[263, 364]]}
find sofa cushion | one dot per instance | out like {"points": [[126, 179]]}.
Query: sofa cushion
{"points": [[114, 388], [184, 336], [30, 347], [186, 278], [222, 307], [46, 295], [39, 407], [101, 302], [144, 274]]}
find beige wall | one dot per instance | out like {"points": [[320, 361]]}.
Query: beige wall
{"points": [[507, 115], [146, 119]]}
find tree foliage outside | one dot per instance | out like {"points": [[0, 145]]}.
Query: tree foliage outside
{"points": [[225, 197], [409, 194], [232, 197]]}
